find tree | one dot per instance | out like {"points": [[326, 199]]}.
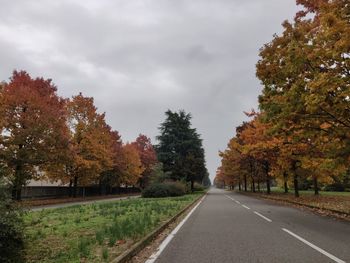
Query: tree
{"points": [[180, 148], [111, 175], [305, 76], [90, 143], [148, 157], [260, 146], [131, 166], [33, 132]]}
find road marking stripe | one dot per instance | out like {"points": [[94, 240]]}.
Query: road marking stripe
{"points": [[264, 217], [314, 246], [246, 207], [166, 241], [231, 198], [238, 202]]}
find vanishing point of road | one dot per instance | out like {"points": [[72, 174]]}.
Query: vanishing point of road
{"points": [[229, 227]]}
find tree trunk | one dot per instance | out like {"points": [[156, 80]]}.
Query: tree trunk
{"points": [[253, 185], [316, 185], [70, 188], [295, 179], [239, 185], [17, 184], [192, 185], [268, 186], [100, 187], [285, 175], [268, 183], [17, 193], [258, 185], [296, 186], [245, 183], [75, 186]]}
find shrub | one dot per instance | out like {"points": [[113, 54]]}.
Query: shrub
{"points": [[164, 190], [11, 230], [155, 190], [176, 188], [198, 187], [336, 187]]}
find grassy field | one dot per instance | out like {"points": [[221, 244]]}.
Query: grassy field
{"points": [[95, 232]]}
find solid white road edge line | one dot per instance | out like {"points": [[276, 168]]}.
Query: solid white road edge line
{"points": [[246, 207], [264, 217], [166, 241], [314, 246]]}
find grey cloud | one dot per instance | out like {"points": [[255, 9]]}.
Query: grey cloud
{"points": [[139, 58]]}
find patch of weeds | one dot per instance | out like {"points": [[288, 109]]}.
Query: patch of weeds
{"points": [[83, 246], [105, 254], [100, 237], [112, 241]]}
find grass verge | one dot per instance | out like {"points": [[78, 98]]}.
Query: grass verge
{"points": [[95, 232]]}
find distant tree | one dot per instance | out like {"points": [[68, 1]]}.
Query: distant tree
{"points": [[206, 180], [33, 131], [111, 176], [148, 157], [180, 148], [131, 167]]}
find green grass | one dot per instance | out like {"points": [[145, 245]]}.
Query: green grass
{"points": [[308, 192], [95, 232]]}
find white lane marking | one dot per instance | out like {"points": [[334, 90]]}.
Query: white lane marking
{"points": [[230, 198], [238, 202], [264, 217], [166, 241], [314, 246], [246, 207]]}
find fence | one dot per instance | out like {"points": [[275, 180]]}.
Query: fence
{"points": [[37, 192]]}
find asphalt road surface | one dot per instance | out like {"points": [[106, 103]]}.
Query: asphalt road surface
{"points": [[229, 227]]}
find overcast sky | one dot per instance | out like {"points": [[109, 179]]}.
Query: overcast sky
{"points": [[138, 58]]}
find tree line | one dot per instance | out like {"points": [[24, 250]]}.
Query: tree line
{"points": [[45, 136], [300, 136]]}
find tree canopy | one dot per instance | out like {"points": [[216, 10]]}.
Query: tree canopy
{"points": [[180, 148]]}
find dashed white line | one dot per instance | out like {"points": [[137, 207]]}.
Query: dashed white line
{"points": [[314, 246], [238, 202], [246, 207], [264, 217], [230, 198], [166, 241]]}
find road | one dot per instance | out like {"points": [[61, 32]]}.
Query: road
{"points": [[39, 208], [229, 227]]}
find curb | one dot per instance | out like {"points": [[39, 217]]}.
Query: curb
{"points": [[138, 246], [302, 204]]}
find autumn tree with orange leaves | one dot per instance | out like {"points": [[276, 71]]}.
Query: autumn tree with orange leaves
{"points": [[148, 158], [305, 102], [90, 143], [33, 132]]}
